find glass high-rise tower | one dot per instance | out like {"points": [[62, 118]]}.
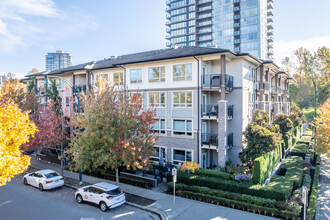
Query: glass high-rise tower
{"points": [[57, 60], [239, 25]]}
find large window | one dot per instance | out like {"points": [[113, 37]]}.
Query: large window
{"points": [[136, 76], [159, 126], [182, 127], [157, 156], [182, 99], [118, 78], [182, 72], [157, 74], [180, 156], [157, 100]]}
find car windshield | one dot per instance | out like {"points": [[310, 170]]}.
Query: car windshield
{"points": [[51, 175], [114, 192]]}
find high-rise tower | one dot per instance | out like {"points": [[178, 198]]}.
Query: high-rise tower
{"points": [[239, 25], [57, 60]]}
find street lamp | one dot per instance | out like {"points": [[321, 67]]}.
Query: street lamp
{"points": [[62, 153]]}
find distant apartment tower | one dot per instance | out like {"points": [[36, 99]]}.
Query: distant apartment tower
{"points": [[239, 25], [57, 60]]}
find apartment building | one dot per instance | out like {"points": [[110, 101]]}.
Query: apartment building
{"points": [[204, 97], [57, 60], [238, 25]]}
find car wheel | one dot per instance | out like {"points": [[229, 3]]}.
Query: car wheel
{"points": [[41, 187], [25, 181], [79, 199], [103, 207]]}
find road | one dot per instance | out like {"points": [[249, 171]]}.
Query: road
{"points": [[18, 201]]}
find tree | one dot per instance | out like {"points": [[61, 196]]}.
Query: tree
{"points": [[15, 129], [50, 129], [296, 116], [113, 132], [284, 123], [322, 125], [260, 137], [13, 90], [53, 94]]}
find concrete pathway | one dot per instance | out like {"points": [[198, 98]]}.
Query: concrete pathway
{"points": [[182, 209], [323, 197]]}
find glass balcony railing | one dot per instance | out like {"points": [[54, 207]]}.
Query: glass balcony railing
{"points": [[209, 139], [210, 110], [214, 80], [230, 140], [230, 111]]}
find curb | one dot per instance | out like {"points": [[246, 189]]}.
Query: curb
{"points": [[160, 213]]}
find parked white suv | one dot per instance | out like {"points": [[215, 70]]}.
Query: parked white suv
{"points": [[44, 179], [105, 195]]}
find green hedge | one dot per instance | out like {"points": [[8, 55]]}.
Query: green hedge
{"points": [[213, 173], [308, 133], [264, 165], [307, 181], [134, 182], [300, 150], [305, 139], [288, 141], [297, 132], [313, 197]]}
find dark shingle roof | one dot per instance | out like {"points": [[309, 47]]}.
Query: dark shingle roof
{"points": [[71, 68]]}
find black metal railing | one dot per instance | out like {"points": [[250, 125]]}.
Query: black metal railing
{"points": [[230, 111], [214, 80], [230, 140], [79, 88], [209, 139], [209, 110]]}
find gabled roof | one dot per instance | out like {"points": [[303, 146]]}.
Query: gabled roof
{"points": [[82, 66]]}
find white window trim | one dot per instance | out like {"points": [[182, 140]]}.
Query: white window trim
{"points": [[166, 159], [182, 149], [112, 78], [150, 67], [149, 104], [130, 72], [183, 136], [185, 75], [186, 91], [159, 134]]}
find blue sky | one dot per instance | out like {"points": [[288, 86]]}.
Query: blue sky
{"points": [[93, 30]]}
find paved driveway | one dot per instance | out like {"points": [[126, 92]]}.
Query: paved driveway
{"points": [[18, 201]]}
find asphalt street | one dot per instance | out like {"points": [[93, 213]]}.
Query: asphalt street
{"points": [[20, 202]]}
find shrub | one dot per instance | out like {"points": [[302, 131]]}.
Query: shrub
{"points": [[313, 197], [305, 139], [213, 173], [293, 169], [264, 165], [190, 165], [300, 150], [308, 133], [288, 141], [307, 181]]}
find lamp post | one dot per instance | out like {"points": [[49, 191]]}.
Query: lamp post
{"points": [[62, 152]]}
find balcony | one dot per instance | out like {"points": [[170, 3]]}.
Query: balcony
{"points": [[265, 86], [168, 44], [207, 8], [269, 6], [168, 2], [270, 39], [236, 24], [270, 26], [168, 37], [202, 16], [168, 23], [214, 80], [270, 13], [79, 88], [270, 45], [204, 1], [230, 140], [236, 1], [230, 112], [270, 33], [205, 30], [269, 20], [237, 16], [168, 16], [40, 91], [204, 23], [209, 111], [237, 33], [209, 140]]}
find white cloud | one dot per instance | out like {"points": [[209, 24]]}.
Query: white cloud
{"points": [[286, 48]]}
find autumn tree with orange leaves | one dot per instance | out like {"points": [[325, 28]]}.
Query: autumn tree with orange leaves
{"points": [[113, 131], [322, 125]]}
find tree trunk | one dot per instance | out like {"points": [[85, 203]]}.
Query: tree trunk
{"points": [[117, 177]]}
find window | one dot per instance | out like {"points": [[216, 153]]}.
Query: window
{"points": [[159, 126], [182, 72], [157, 156], [105, 77], [180, 156], [157, 100], [182, 99], [136, 76], [182, 127], [118, 78], [157, 74]]}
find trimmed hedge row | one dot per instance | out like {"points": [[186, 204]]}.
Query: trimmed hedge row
{"points": [[214, 173], [313, 197], [305, 139], [307, 181], [293, 169], [308, 133], [134, 182], [271, 191], [300, 150], [288, 141], [264, 165]]}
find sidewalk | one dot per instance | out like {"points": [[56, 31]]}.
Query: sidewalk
{"points": [[182, 209], [323, 197]]}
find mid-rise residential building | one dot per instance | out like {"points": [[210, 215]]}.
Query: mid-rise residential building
{"points": [[204, 97], [238, 25], [2, 79], [57, 60]]}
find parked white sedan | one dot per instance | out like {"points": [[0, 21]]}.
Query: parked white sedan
{"points": [[44, 179], [105, 195]]}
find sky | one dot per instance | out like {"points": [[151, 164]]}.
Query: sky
{"points": [[93, 30]]}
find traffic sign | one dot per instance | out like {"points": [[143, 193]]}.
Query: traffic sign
{"points": [[174, 172]]}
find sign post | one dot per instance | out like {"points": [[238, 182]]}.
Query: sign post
{"points": [[174, 172]]}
